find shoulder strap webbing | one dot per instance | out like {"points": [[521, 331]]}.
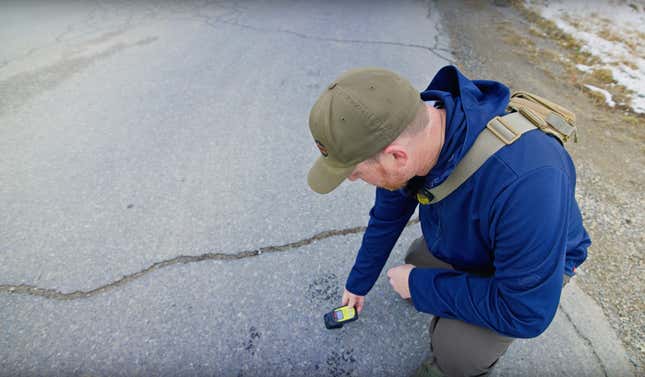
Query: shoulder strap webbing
{"points": [[500, 131]]}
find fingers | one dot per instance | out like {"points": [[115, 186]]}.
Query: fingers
{"points": [[394, 287], [352, 301], [359, 305], [392, 280]]}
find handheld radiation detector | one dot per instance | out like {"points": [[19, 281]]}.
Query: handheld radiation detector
{"points": [[336, 318]]}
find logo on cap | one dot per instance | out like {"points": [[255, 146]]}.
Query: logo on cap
{"points": [[323, 148]]}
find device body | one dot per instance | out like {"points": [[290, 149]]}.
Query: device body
{"points": [[336, 318]]}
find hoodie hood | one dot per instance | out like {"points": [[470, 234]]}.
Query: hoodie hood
{"points": [[469, 105]]}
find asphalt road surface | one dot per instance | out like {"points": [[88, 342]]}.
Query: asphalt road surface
{"points": [[154, 212]]}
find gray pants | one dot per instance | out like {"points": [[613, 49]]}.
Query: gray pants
{"points": [[458, 348]]}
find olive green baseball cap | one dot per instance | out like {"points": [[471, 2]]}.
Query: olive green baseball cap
{"points": [[359, 114]]}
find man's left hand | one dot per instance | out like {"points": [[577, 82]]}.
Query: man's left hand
{"points": [[399, 279]]}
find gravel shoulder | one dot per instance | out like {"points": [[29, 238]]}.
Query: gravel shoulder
{"points": [[498, 41]]}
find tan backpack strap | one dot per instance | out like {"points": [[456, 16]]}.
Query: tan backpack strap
{"points": [[550, 117], [500, 131]]}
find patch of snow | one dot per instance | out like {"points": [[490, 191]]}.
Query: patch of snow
{"points": [[608, 98], [612, 30]]}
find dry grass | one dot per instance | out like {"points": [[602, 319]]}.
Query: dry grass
{"points": [[548, 30], [584, 57], [622, 96], [517, 40], [597, 97], [537, 32], [609, 35], [575, 22], [628, 63], [632, 119], [603, 75], [549, 27]]}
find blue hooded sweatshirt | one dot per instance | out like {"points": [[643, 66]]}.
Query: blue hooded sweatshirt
{"points": [[511, 231]]}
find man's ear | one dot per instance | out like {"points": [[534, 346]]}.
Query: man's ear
{"points": [[398, 153]]}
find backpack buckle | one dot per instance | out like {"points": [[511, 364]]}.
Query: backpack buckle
{"points": [[504, 131]]}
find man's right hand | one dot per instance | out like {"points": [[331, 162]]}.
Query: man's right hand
{"points": [[353, 300]]}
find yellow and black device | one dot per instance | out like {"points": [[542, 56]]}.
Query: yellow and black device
{"points": [[336, 318]]}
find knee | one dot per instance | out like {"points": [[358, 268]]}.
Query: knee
{"points": [[462, 349], [415, 247]]}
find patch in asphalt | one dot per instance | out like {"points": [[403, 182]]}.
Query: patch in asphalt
{"points": [[324, 288], [251, 343]]}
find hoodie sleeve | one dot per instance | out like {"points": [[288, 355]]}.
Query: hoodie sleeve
{"points": [[529, 236], [388, 217]]}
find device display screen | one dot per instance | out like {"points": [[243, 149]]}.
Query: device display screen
{"points": [[338, 315]]}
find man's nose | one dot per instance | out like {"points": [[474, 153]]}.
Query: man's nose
{"points": [[352, 177]]}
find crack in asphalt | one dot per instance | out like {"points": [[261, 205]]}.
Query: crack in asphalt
{"points": [[53, 294], [230, 17], [235, 12], [432, 50], [585, 339]]}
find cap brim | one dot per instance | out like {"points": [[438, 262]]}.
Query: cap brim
{"points": [[324, 178]]}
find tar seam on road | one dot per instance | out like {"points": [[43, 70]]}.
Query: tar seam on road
{"points": [[54, 294], [432, 50], [235, 12], [585, 339]]}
